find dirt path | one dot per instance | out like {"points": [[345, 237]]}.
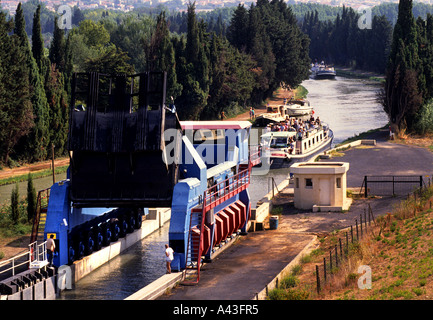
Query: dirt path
{"points": [[34, 167]]}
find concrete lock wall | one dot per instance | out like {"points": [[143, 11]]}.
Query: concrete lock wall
{"points": [[153, 221]]}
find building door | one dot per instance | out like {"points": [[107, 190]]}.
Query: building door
{"points": [[324, 192]]}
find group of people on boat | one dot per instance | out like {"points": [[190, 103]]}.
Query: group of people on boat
{"points": [[295, 125]]}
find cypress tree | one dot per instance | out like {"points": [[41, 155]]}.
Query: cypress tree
{"points": [[260, 48], [38, 42], [57, 48], [31, 198], [165, 56], [237, 32], [33, 146], [401, 97], [15, 201], [58, 110], [15, 106], [194, 71]]}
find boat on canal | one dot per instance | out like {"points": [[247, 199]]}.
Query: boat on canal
{"points": [[282, 112], [322, 71], [298, 107], [284, 147]]}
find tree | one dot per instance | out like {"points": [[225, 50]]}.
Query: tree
{"points": [[57, 48], [58, 110], [161, 55], [260, 49], [16, 117], [237, 32], [38, 42], [33, 146], [193, 69], [31, 198], [15, 202], [111, 60], [131, 35], [401, 97]]}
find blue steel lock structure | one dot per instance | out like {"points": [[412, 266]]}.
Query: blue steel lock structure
{"points": [[129, 152]]}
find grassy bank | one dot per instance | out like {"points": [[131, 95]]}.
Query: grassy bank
{"points": [[300, 92], [363, 135], [397, 247], [347, 72], [35, 175]]}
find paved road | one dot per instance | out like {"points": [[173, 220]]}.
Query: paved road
{"points": [[246, 267], [386, 158]]}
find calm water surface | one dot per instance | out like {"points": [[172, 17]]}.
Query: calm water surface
{"points": [[348, 105]]}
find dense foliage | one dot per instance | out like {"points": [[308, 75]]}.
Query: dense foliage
{"points": [[341, 41], [408, 88], [207, 72], [225, 60]]}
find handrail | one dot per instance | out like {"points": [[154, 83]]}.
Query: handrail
{"points": [[225, 189], [36, 256], [255, 154], [215, 196], [200, 246], [13, 263]]}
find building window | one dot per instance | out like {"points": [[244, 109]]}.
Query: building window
{"points": [[338, 182], [297, 183], [308, 183]]}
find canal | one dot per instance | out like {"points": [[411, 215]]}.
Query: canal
{"points": [[348, 105]]}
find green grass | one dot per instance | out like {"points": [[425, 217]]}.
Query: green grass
{"points": [[35, 175]]}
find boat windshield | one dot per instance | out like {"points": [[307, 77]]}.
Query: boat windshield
{"points": [[278, 142]]}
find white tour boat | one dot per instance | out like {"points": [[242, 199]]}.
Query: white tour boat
{"points": [[281, 148]]}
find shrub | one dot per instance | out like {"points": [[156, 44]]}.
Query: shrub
{"points": [[290, 281], [289, 294]]}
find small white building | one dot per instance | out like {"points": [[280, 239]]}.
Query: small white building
{"points": [[320, 186]]}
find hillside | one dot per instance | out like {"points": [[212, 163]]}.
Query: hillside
{"points": [[397, 247]]}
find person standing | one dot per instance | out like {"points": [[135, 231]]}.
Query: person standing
{"points": [[51, 246], [168, 257], [223, 116]]}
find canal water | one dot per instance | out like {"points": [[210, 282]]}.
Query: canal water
{"points": [[348, 105]]}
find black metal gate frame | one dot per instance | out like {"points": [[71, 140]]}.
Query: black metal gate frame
{"points": [[416, 179]]}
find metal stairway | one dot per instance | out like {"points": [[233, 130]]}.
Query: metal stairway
{"points": [[198, 242], [40, 216]]}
